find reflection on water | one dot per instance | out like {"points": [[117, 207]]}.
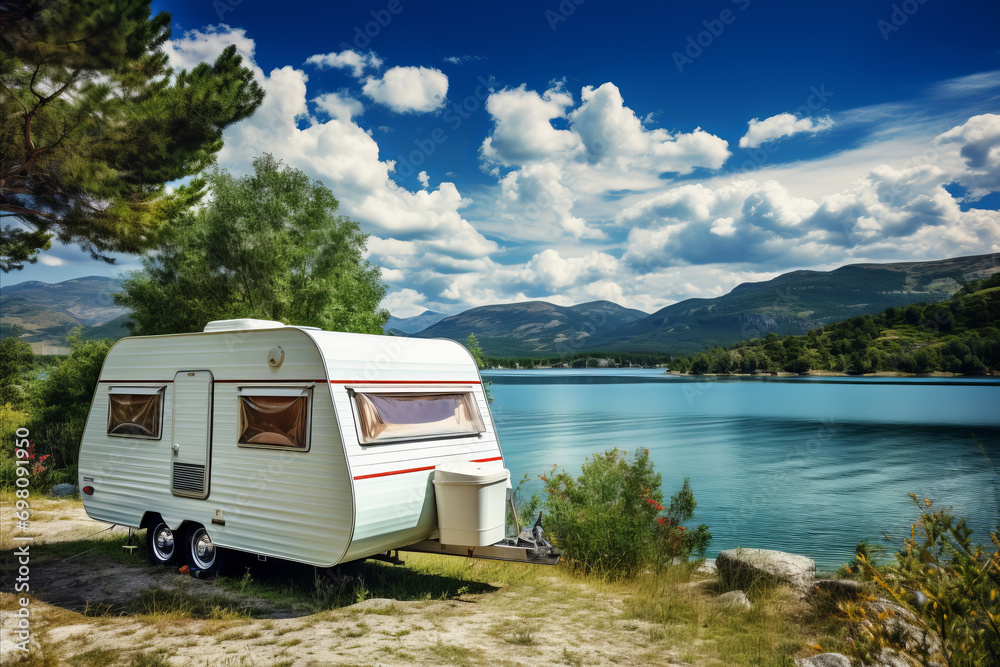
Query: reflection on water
{"points": [[810, 465]]}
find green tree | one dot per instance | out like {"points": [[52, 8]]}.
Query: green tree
{"points": [[64, 398], [270, 245], [16, 360], [95, 123], [472, 345]]}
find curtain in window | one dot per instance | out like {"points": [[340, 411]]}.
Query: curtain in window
{"points": [[401, 416], [135, 414], [274, 420]]}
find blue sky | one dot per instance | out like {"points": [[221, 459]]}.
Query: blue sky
{"points": [[638, 152]]}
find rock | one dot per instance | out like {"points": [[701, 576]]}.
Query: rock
{"points": [[736, 599], [840, 589], [741, 568], [824, 660], [61, 490]]}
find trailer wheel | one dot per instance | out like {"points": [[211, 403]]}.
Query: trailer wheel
{"points": [[161, 543], [201, 553]]}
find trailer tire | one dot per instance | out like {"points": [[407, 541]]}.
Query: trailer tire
{"points": [[162, 543], [201, 553]]}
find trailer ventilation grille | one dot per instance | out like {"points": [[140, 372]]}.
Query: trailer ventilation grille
{"points": [[189, 477]]}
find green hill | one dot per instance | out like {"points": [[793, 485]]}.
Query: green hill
{"points": [[958, 335], [794, 303], [534, 328]]}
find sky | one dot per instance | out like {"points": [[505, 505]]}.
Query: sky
{"points": [[643, 153]]}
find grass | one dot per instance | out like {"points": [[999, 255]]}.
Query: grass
{"points": [[656, 613]]}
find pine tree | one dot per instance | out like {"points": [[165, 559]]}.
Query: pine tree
{"points": [[95, 123]]}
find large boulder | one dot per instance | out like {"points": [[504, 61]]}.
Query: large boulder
{"points": [[742, 568]]}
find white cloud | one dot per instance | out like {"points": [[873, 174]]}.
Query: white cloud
{"points": [[409, 89], [980, 149], [207, 44], [344, 156], [782, 125], [460, 60], [611, 133], [348, 59], [339, 105], [50, 260], [589, 186], [889, 212], [404, 303], [523, 129], [534, 197]]}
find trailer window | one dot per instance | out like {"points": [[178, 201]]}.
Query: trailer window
{"points": [[397, 416], [274, 417], [135, 412]]}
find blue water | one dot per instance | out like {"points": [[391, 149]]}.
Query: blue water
{"points": [[806, 465]]}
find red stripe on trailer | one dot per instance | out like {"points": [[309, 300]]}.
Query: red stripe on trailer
{"points": [[394, 472], [268, 381], [364, 382], [136, 381], [425, 468]]}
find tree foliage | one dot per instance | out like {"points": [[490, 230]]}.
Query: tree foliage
{"points": [[269, 245], [611, 521], [16, 360], [960, 335], [95, 123], [945, 585]]}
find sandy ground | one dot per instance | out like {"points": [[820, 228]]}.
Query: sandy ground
{"points": [[79, 602]]}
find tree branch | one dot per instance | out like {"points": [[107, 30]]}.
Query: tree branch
{"points": [[9, 92], [20, 210]]}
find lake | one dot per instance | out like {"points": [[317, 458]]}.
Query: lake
{"points": [[804, 464]]}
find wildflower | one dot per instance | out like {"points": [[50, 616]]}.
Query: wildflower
{"points": [[661, 521], [682, 527]]}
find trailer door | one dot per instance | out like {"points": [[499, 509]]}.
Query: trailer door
{"points": [[192, 433]]}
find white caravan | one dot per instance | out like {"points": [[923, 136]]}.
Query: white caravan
{"points": [[295, 443]]}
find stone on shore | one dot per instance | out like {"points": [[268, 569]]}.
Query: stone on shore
{"points": [[737, 599], [60, 490], [741, 568]]}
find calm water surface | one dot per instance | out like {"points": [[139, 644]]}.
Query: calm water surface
{"points": [[807, 465]]}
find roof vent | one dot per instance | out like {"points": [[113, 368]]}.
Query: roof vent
{"points": [[242, 325]]}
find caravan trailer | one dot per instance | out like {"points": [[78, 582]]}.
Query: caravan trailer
{"points": [[299, 444]]}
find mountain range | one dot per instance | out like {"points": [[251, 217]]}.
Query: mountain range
{"points": [[791, 303], [43, 313]]}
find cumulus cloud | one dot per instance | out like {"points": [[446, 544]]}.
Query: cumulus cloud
{"points": [[979, 138], [611, 132], [340, 153], [523, 129], [347, 59], [782, 125], [339, 105], [207, 44], [535, 197], [591, 186], [409, 89], [404, 303], [762, 222]]}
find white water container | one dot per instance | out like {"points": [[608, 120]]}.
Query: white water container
{"points": [[471, 503]]}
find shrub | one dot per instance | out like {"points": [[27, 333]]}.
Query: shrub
{"points": [[611, 520], [946, 585]]}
